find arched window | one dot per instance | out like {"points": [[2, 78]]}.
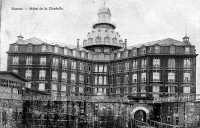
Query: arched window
{"points": [[107, 40], [98, 40]]}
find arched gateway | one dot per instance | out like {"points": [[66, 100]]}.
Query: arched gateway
{"points": [[140, 113]]}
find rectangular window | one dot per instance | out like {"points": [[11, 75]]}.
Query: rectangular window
{"points": [[16, 48], [156, 76], [126, 79], [64, 76], [54, 87], [65, 51], [15, 90], [144, 63], [186, 77], [118, 55], [126, 54], [187, 50], [101, 68], [43, 48], [15, 60], [64, 63], [28, 74], [118, 67], [157, 49], [171, 89], [74, 53], [43, 60], [55, 49], [54, 75], [105, 80], [30, 48], [186, 89], [156, 62], [81, 66], [126, 68], [73, 65], [172, 49], [187, 63], [29, 60], [28, 84], [73, 77], [41, 86], [111, 68], [134, 90], [171, 63], [55, 61], [81, 78], [171, 77], [100, 80], [134, 52], [81, 89], [63, 88], [156, 88], [143, 77], [117, 90], [134, 78], [72, 89], [88, 79], [96, 80], [143, 91], [143, 50], [105, 68], [135, 64], [118, 79], [42, 74], [111, 80], [82, 55]]}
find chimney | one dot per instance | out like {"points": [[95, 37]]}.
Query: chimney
{"points": [[77, 43], [125, 44]]}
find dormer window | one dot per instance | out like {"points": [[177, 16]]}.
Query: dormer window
{"points": [[16, 48], [74, 53], [44, 48], [134, 52], [187, 50], [126, 54], [30, 48], [56, 49], [172, 49], [82, 55], [157, 49], [118, 55], [143, 50], [65, 51]]}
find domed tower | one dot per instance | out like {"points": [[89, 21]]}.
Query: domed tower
{"points": [[103, 35]]}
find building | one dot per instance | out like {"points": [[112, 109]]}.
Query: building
{"points": [[105, 65], [11, 89]]}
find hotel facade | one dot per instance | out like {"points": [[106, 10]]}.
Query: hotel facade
{"points": [[104, 64]]}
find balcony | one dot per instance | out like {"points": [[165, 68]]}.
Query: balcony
{"points": [[42, 78]]}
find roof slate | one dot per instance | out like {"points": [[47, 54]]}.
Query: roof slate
{"points": [[163, 42]]}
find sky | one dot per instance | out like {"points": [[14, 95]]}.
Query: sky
{"points": [[138, 21]]}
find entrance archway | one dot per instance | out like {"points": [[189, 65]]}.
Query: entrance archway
{"points": [[140, 113]]}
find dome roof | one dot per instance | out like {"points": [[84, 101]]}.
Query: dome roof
{"points": [[103, 36], [104, 10]]}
